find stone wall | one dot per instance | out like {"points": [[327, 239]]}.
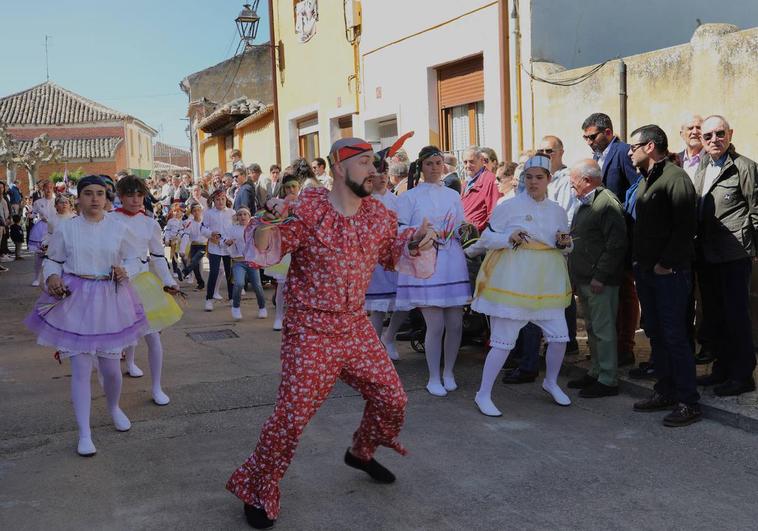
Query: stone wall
{"points": [[713, 74]]}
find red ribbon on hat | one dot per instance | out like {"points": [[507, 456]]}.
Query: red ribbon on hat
{"points": [[346, 152]]}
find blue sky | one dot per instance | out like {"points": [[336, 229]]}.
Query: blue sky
{"points": [[130, 56]]}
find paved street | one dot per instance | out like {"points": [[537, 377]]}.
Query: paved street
{"points": [[595, 465]]}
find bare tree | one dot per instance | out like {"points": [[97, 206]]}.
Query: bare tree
{"points": [[42, 151]]}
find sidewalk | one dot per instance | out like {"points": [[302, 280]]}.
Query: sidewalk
{"points": [[738, 411]]}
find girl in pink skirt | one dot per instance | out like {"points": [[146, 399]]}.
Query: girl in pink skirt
{"points": [[89, 311]]}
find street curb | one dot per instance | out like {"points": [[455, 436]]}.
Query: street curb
{"points": [[712, 408]]}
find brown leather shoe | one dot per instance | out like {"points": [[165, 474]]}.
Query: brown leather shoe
{"points": [[683, 415], [657, 402]]}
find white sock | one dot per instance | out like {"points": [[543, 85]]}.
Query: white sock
{"points": [[155, 358], [553, 361], [111, 371], [496, 358], [435, 327], [81, 392], [453, 333], [131, 366], [279, 301], [377, 321]]}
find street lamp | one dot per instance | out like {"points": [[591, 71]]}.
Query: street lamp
{"points": [[247, 24]]}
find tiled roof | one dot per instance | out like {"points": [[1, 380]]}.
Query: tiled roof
{"points": [[50, 104], [165, 150], [165, 166], [81, 148], [260, 113], [233, 111]]}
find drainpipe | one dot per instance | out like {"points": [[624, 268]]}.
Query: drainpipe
{"points": [[622, 100], [506, 146], [517, 53], [275, 92]]}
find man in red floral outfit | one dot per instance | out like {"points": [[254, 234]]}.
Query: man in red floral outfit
{"points": [[335, 239]]}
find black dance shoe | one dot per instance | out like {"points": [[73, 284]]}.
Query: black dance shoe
{"points": [[734, 387], [372, 468], [257, 517]]}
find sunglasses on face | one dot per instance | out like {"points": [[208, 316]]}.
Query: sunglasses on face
{"points": [[635, 147], [485, 160], [592, 137], [546, 151], [709, 135]]}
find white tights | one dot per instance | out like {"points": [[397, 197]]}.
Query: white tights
{"points": [[81, 389], [279, 301], [439, 322], [38, 258], [496, 359], [155, 359], [388, 338]]}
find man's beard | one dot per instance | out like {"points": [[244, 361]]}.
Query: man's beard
{"points": [[358, 189]]}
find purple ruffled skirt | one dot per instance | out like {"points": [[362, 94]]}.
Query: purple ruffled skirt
{"points": [[37, 236], [96, 318]]}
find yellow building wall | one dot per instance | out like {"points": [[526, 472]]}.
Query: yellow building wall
{"points": [[209, 153], [710, 75], [257, 142], [139, 148], [315, 77]]}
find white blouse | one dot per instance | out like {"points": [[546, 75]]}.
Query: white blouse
{"points": [[172, 230], [215, 220], [195, 231], [83, 247], [144, 246], [236, 233], [44, 208], [431, 201], [388, 199], [541, 220]]}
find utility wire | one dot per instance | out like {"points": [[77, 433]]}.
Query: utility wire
{"points": [[570, 82]]}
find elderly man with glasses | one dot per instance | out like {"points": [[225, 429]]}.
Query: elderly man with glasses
{"points": [[726, 246]]}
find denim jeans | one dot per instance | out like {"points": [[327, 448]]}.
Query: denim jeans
{"points": [[665, 301], [243, 273], [196, 256], [214, 260]]}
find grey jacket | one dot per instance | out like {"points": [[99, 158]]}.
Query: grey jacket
{"points": [[728, 210]]}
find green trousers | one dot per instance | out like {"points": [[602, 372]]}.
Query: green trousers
{"points": [[600, 310]]}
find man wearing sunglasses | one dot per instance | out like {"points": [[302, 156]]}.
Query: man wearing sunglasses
{"points": [[619, 175], [663, 250], [726, 245]]}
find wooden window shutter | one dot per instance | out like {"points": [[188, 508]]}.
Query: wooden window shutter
{"points": [[461, 83]]}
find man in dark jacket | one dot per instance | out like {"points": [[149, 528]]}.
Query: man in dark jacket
{"points": [[596, 266], [727, 184], [663, 250], [619, 175], [246, 192]]}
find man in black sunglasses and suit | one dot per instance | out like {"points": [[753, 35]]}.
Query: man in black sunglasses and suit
{"points": [[727, 185]]}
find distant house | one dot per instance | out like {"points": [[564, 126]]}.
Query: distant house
{"points": [[230, 107], [93, 137], [172, 155]]}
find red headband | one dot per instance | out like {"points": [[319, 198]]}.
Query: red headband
{"points": [[346, 152]]}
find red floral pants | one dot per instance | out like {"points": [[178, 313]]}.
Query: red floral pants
{"points": [[311, 363]]}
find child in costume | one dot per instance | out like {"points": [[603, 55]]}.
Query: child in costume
{"points": [[90, 311], [442, 296], [335, 238], [290, 189], [145, 249], [243, 271], [217, 221], [193, 228], [42, 210], [382, 290], [524, 278]]}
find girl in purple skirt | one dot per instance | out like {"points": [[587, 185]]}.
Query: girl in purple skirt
{"points": [[89, 311]]}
